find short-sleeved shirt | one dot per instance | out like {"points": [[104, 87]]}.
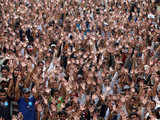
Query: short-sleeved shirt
{"points": [[27, 108]]}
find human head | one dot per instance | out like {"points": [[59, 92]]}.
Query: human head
{"points": [[41, 64], [5, 70], [134, 116], [16, 71], [29, 48], [3, 94], [26, 93]]}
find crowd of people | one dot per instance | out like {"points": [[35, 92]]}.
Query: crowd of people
{"points": [[79, 60]]}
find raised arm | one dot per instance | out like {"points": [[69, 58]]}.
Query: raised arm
{"points": [[17, 90], [27, 81], [34, 90], [155, 87], [10, 87], [141, 89]]}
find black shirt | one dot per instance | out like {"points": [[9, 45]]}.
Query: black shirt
{"points": [[5, 109]]}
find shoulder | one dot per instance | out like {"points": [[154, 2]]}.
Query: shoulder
{"points": [[9, 98], [32, 98], [20, 100]]}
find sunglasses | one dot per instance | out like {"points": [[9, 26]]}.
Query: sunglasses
{"points": [[2, 94]]}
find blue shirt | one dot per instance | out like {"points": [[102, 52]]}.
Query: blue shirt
{"points": [[27, 108]]}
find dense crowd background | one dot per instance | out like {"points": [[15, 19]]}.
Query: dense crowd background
{"points": [[79, 59]]}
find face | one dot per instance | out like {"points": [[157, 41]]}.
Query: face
{"points": [[4, 72], [152, 105], [3, 96], [41, 65], [30, 49], [16, 72], [134, 117], [26, 95]]}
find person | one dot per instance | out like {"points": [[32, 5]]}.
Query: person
{"points": [[11, 90], [26, 105], [91, 52], [26, 102], [134, 116], [4, 79], [4, 105]]}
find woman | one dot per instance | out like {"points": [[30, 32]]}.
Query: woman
{"points": [[11, 90]]}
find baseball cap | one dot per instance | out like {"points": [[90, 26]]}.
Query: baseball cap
{"points": [[26, 90]]}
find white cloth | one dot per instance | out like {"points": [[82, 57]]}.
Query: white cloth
{"points": [[51, 66], [142, 114], [124, 109], [115, 77], [156, 99], [96, 100], [151, 16], [107, 114], [4, 79], [103, 89], [39, 27], [82, 99], [22, 52]]}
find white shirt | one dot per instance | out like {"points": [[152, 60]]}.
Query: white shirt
{"points": [[151, 15]]}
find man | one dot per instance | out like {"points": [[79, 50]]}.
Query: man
{"points": [[134, 116], [27, 105], [4, 105], [4, 80], [4, 71]]}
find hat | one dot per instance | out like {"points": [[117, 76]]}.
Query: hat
{"points": [[26, 90], [29, 46]]}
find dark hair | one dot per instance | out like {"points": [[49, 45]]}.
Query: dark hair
{"points": [[132, 114], [29, 35], [5, 62], [51, 23], [53, 90], [98, 11], [158, 72], [40, 62], [4, 49], [21, 34], [157, 1], [5, 67], [2, 90], [103, 110], [114, 116], [157, 113], [68, 104], [17, 23], [85, 115]]}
